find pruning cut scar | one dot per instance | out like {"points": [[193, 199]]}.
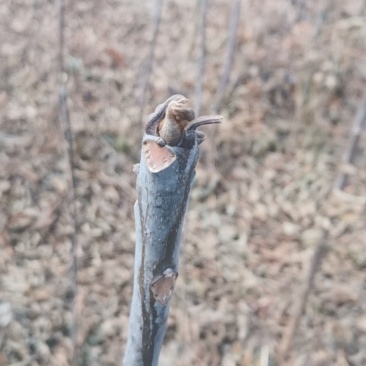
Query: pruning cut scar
{"points": [[157, 157], [162, 287]]}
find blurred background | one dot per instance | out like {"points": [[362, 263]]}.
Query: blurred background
{"points": [[289, 78]]}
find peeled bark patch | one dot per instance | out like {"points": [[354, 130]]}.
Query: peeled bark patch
{"points": [[157, 157]]}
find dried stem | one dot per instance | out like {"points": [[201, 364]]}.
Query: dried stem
{"points": [[202, 56], [229, 58], [300, 304], [148, 63], [320, 249], [64, 118], [349, 156]]}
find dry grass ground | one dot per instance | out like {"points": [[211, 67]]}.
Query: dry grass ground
{"points": [[262, 197]]}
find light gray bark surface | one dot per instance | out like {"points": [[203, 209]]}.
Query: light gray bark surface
{"points": [[159, 214], [165, 177]]}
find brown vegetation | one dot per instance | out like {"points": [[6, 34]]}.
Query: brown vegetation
{"points": [[262, 198]]}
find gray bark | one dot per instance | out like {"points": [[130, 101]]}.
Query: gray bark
{"points": [[164, 180]]}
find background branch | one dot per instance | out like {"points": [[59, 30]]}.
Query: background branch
{"points": [[64, 118], [148, 63], [300, 304], [202, 56], [230, 52], [349, 156]]}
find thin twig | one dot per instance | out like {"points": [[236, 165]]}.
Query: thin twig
{"points": [[196, 25], [349, 157], [202, 56], [320, 249], [148, 63], [300, 305], [229, 58], [64, 119]]}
